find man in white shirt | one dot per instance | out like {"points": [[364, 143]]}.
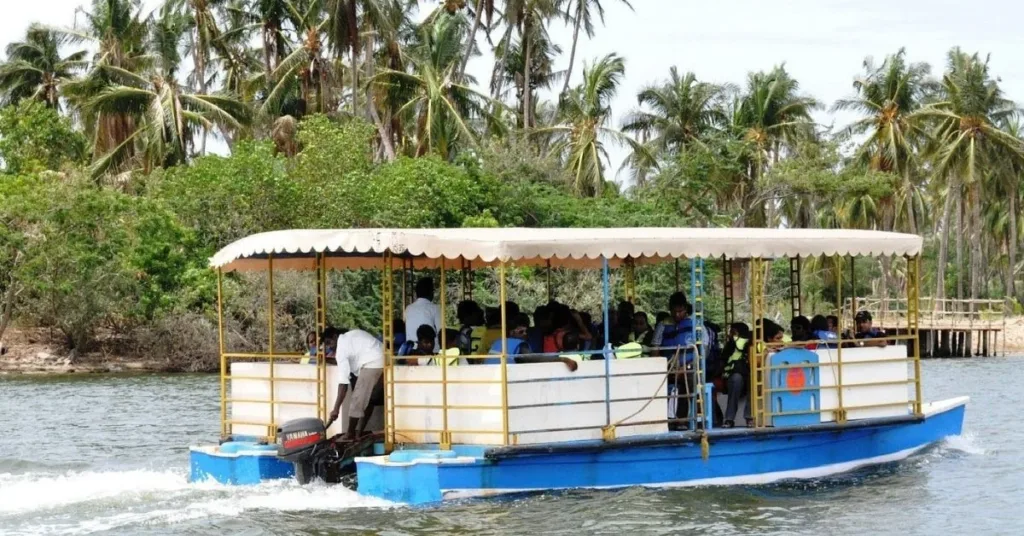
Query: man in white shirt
{"points": [[423, 312], [361, 354]]}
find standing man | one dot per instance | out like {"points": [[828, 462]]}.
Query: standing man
{"points": [[360, 358], [423, 311]]}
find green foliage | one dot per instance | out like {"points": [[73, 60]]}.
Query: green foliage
{"points": [[34, 138], [221, 199], [423, 192]]}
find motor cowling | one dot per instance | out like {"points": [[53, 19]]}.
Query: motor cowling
{"points": [[304, 442], [296, 438]]}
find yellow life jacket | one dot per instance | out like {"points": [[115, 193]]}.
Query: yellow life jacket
{"points": [[630, 350], [451, 354]]}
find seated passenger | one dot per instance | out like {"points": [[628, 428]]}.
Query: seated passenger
{"points": [[398, 328], [472, 330], [516, 347], [820, 330], [310, 357], [541, 326], [425, 336], [866, 332], [737, 373], [677, 342], [642, 332], [800, 327], [833, 324]]}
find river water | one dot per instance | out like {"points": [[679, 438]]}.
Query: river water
{"points": [[108, 455]]}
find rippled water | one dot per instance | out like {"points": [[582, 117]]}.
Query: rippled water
{"points": [[107, 454]]}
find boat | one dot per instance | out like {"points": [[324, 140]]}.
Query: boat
{"points": [[452, 431]]}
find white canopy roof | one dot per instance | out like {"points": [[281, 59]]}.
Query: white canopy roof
{"points": [[573, 247]]}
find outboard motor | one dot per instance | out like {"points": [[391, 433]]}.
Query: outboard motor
{"points": [[304, 442]]}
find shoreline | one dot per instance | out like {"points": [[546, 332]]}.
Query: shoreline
{"points": [[33, 352]]}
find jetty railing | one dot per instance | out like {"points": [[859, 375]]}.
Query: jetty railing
{"points": [[948, 313]]}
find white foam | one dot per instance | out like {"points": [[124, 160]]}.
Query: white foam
{"points": [[32, 491], [966, 443], [154, 498]]}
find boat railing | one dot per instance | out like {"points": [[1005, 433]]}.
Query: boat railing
{"points": [[844, 382], [540, 405]]}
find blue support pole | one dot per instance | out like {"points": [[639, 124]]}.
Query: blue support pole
{"points": [[607, 343], [697, 295]]}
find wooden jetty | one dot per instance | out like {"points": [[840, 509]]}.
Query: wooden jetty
{"points": [[948, 327]]}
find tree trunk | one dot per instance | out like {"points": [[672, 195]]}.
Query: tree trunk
{"points": [[1012, 249], [976, 250], [527, 90], [471, 41], [368, 53], [355, 82], [497, 81], [959, 243], [572, 53], [943, 228]]}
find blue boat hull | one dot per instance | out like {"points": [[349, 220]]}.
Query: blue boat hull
{"points": [[737, 456]]}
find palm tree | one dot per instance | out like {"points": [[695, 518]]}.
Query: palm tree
{"points": [[118, 32], [682, 112], [480, 9], [166, 115], [531, 18], [354, 25], [433, 97], [581, 13], [305, 68], [36, 70], [542, 74], [968, 144], [770, 116], [888, 98], [582, 130]]}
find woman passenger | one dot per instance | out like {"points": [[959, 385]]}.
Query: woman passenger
{"points": [[737, 373]]}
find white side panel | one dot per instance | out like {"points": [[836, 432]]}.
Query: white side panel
{"points": [[558, 401], [859, 366], [284, 391]]}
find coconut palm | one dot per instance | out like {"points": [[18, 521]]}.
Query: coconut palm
{"points": [[542, 74], [581, 13], [118, 31], [582, 131], [682, 111], [530, 18], [968, 144], [354, 26], [35, 68], [165, 113], [483, 12], [305, 69], [432, 97], [888, 98]]}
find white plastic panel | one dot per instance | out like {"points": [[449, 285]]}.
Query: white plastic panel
{"points": [[866, 365]]}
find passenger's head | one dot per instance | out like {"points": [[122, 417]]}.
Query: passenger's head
{"points": [[626, 311], [561, 317], [571, 341], [511, 309], [662, 317], [398, 324], [586, 318], [819, 323], [519, 326], [640, 322], [833, 323], [739, 330], [470, 313], [677, 306], [493, 317], [863, 321], [800, 326], [425, 288], [772, 331], [425, 336], [311, 339], [542, 317]]}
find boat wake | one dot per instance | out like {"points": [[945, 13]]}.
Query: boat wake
{"points": [[85, 502], [966, 443]]}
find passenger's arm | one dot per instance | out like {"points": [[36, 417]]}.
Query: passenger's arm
{"points": [[342, 391]]}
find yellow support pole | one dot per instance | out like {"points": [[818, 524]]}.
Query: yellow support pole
{"points": [[504, 354], [630, 280], [840, 413], [759, 351], [387, 333], [321, 325], [913, 321], [446, 437], [270, 338], [551, 291], [225, 427]]}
